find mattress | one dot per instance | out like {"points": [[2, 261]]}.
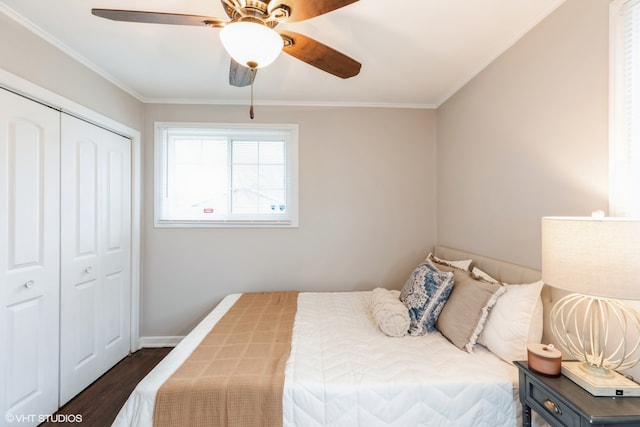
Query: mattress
{"points": [[342, 371]]}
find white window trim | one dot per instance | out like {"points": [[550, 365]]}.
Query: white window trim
{"points": [[624, 187], [159, 176]]}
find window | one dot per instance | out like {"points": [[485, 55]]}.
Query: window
{"points": [[624, 152], [226, 175]]}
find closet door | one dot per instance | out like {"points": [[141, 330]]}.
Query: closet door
{"points": [[95, 253], [29, 259]]}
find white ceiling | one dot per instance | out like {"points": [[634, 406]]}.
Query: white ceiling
{"points": [[413, 52]]}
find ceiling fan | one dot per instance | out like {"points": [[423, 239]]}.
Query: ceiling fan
{"points": [[251, 24]]}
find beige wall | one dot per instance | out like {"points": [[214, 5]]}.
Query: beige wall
{"points": [[527, 137], [26, 55], [367, 210]]}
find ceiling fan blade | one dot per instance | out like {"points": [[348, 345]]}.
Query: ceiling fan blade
{"points": [[305, 9], [319, 55], [158, 17], [239, 75]]}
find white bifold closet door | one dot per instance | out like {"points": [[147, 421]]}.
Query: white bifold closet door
{"points": [[95, 250], [29, 261]]}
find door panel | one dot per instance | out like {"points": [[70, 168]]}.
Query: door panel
{"points": [[113, 295], [25, 153], [84, 324], [23, 319], [29, 257], [87, 199], [115, 239], [95, 251]]}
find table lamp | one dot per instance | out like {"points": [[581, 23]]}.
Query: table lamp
{"points": [[597, 260]]}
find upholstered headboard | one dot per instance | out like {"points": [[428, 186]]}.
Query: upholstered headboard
{"points": [[508, 273]]}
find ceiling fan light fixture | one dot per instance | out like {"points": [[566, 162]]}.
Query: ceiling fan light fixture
{"points": [[251, 44]]}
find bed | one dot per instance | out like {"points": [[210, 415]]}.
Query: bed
{"points": [[342, 370]]}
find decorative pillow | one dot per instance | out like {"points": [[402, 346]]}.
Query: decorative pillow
{"points": [[424, 294], [536, 327], [513, 321], [465, 313], [390, 314], [452, 265]]}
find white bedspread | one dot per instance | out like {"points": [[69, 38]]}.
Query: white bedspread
{"points": [[343, 371]]}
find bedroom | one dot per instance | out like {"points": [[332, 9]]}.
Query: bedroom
{"points": [[526, 137]]}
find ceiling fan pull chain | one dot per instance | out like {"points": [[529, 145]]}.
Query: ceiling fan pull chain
{"points": [[253, 72]]}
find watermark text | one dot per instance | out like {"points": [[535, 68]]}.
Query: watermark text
{"points": [[42, 418]]}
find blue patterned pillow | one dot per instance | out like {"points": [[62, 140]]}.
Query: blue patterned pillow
{"points": [[424, 293]]}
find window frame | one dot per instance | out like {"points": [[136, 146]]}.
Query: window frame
{"points": [[624, 128], [226, 130]]}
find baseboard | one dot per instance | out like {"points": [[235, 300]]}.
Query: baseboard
{"points": [[155, 342]]}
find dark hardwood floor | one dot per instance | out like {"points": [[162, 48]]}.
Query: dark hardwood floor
{"points": [[100, 403]]}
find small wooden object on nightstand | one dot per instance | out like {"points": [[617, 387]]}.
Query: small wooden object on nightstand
{"points": [[561, 402]]}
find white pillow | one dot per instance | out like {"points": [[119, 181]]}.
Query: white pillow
{"points": [[515, 320], [390, 314], [506, 332], [536, 328]]}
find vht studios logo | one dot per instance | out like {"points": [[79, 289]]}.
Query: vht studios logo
{"points": [[42, 418]]}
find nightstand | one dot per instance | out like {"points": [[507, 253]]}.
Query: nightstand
{"points": [[562, 403]]}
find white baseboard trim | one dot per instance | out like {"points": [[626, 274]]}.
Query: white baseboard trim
{"points": [[155, 342]]}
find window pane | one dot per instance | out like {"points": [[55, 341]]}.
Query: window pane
{"points": [[272, 176], [245, 152], [274, 201], [245, 177], [259, 177], [201, 178], [272, 152], [245, 201]]}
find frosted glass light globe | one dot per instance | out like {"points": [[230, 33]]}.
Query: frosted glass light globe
{"points": [[251, 44]]}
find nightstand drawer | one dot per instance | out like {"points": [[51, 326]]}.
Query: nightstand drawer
{"points": [[548, 404]]}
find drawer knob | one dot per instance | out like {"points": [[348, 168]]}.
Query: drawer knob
{"points": [[551, 405], [29, 284]]}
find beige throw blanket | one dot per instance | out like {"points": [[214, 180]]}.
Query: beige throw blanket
{"points": [[235, 376]]}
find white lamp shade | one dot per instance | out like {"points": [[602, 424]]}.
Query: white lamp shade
{"points": [[592, 256], [251, 44]]}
